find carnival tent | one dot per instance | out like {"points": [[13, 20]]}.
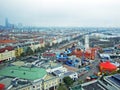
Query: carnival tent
{"points": [[107, 66]]}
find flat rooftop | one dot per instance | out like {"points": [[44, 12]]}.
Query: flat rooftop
{"points": [[23, 72], [94, 86], [18, 63], [115, 79]]}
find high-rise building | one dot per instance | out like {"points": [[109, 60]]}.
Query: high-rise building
{"points": [[6, 22]]}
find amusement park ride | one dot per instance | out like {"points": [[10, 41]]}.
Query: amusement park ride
{"points": [[84, 54]]}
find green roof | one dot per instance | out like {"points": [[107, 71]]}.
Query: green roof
{"points": [[23, 72]]}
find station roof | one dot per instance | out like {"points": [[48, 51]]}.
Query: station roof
{"points": [[115, 79], [94, 86]]}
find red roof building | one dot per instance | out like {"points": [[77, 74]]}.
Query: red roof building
{"points": [[107, 67], [7, 41], [8, 48], [2, 86], [49, 54]]}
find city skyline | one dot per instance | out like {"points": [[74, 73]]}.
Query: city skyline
{"points": [[100, 13]]}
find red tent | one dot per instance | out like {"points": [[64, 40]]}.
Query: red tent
{"points": [[2, 86], [88, 54], [107, 66], [49, 54], [78, 53]]}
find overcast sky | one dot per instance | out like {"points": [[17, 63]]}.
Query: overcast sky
{"points": [[61, 12]]}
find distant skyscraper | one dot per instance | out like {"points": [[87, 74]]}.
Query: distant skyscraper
{"points": [[20, 25], [6, 22]]}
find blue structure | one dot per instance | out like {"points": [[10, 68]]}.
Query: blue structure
{"points": [[108, 50], [62, 57], [93, 77], [87, 68], [73, 48], [68, 51], [72, 63]]}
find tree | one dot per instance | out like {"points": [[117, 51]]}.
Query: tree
{"points": [[68, 81], [43, 49], [23, 54], [38, 49], [118, 71], [62, 87], [101, 51], [29, 51], [80, 81]]}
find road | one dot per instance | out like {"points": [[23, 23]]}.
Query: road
{"points": [[94, 68]]}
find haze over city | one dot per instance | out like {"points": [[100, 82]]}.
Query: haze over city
{"points": [[59, 45], [98, 13]]}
